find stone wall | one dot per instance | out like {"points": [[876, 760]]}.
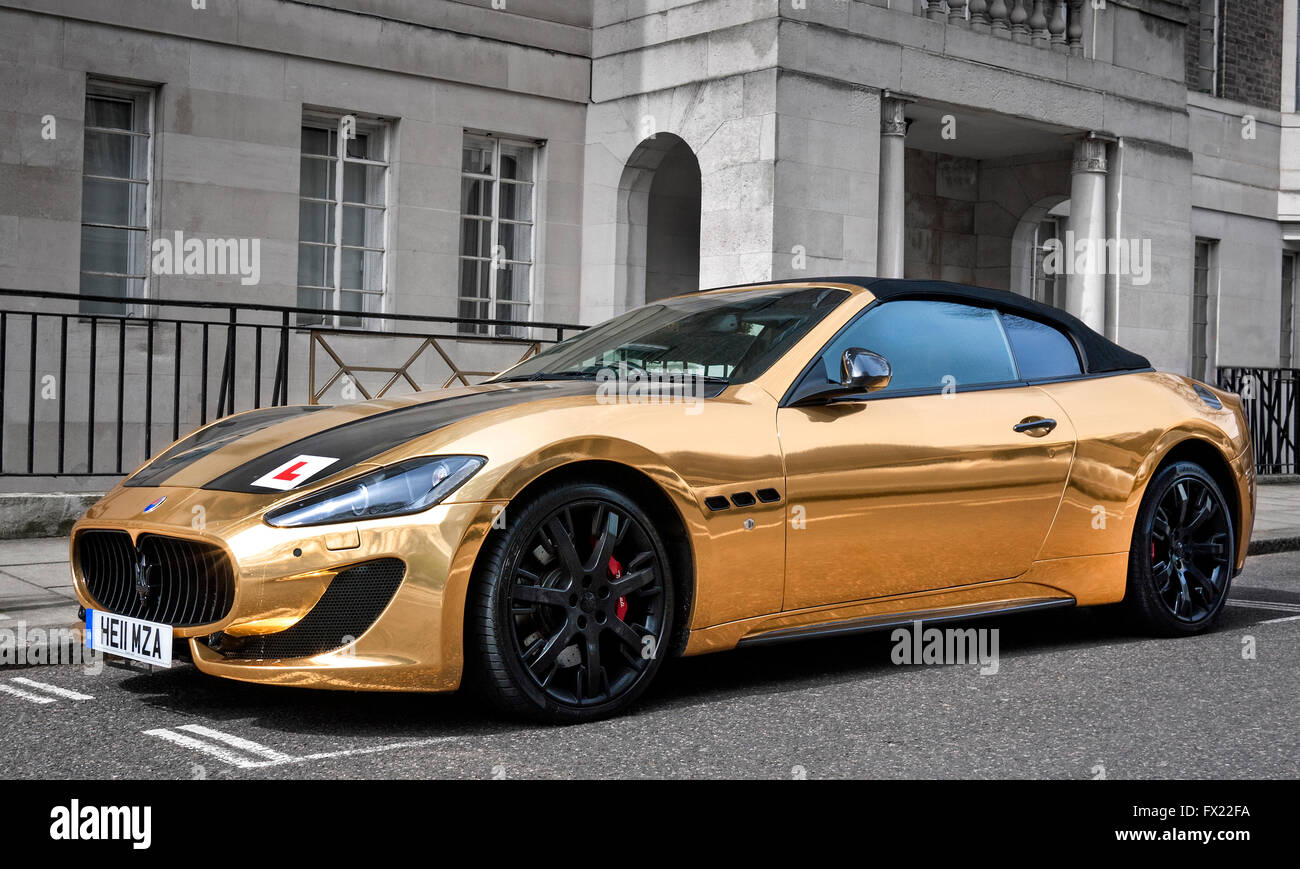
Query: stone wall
{"points": [[940, 193], [1234, 150], [963, 215], [1152, 313], [827, 174]]}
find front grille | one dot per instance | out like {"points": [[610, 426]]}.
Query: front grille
{"points": [[353, 602], [171, 580]]}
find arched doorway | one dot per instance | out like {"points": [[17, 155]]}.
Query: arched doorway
{"points": [[659, 221], [1043, 222]]}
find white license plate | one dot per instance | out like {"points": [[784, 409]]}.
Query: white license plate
{"points": [[129, 638]]}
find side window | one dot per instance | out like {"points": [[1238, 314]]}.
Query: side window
{"points": [[1041, 351], [929, 345]]}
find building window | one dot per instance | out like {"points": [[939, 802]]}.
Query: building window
{"points": [[1207, 53], [115, 194], [1202, 282], [496, 232], [1287, 341], [342, 219]]}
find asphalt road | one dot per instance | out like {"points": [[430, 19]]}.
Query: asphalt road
{"points": [[1075, 697]]}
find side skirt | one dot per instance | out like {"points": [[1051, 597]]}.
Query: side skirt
{"points": [[893, 620]]}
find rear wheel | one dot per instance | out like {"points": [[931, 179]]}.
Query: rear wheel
{"points": [[571, 607], [1180, 564]]}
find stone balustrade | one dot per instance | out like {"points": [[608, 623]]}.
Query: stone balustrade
{"points": [[1051, 24]]}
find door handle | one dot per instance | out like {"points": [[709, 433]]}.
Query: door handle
{"points": [[1035, 426]]}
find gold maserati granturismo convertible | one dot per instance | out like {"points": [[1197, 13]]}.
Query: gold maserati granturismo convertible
{"points": [[740, 466]]}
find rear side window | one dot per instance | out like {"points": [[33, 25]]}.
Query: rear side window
{"points": [[929, 345], [1042, 351]]}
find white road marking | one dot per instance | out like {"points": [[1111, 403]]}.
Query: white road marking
{"points": [[238, 742], [1276, 621], [1265, 605], [268, 756], [18, 692], [3, 617], [53, 689], [1275, 606], [374, 749], [207, 748]]}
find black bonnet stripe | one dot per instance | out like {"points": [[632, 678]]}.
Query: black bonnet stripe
{"points": [[207, 441], [356, 441]]}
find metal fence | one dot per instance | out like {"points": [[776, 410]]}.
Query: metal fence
{"points": [[85, 391], [1270, 396], [89, 387]]}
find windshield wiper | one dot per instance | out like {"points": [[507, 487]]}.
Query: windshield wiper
{"points": [[593, 373], [548, 375]]}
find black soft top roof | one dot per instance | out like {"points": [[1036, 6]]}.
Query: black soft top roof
{"points": [[1098, 354]]}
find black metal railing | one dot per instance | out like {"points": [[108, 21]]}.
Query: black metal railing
{"points": [[95, 394], [1271, 397]]}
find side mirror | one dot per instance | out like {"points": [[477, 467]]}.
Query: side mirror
{"points": [[863, 371], [860, 371]]}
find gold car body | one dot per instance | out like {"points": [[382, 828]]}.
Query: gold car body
{"points": [[952, 511]]}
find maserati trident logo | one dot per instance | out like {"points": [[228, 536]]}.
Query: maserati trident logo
{"points": [[143, 587]]}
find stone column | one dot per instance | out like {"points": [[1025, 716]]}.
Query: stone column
{"points": [[1085, 284], [893, 136]]}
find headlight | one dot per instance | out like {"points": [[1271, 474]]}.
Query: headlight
{"points": [[397, 490]]}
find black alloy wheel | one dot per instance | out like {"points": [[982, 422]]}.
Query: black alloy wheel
{"points": [[572, 615], [1183, 552]]}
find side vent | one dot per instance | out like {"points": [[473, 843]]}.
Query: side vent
{"points": [[742, 499]]}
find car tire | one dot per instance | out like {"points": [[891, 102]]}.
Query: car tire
{"points": [[1183, 552], [570, 612]]}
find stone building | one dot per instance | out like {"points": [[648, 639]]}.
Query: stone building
{"points": [[563, 160]]}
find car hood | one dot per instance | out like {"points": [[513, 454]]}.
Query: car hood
{"points": [[278, 449]]}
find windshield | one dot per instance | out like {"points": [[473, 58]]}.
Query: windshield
{"points": [[731, 337]]}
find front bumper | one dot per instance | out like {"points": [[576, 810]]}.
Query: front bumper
{"points": [[415, 643]]}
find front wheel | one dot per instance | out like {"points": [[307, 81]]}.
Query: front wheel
{"points": [[1183, 552], [571, 612]]}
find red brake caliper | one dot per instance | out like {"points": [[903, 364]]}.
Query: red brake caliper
{"points": [[616, 572]]}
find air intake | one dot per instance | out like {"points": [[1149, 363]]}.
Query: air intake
{"points": [[353, 602]]}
